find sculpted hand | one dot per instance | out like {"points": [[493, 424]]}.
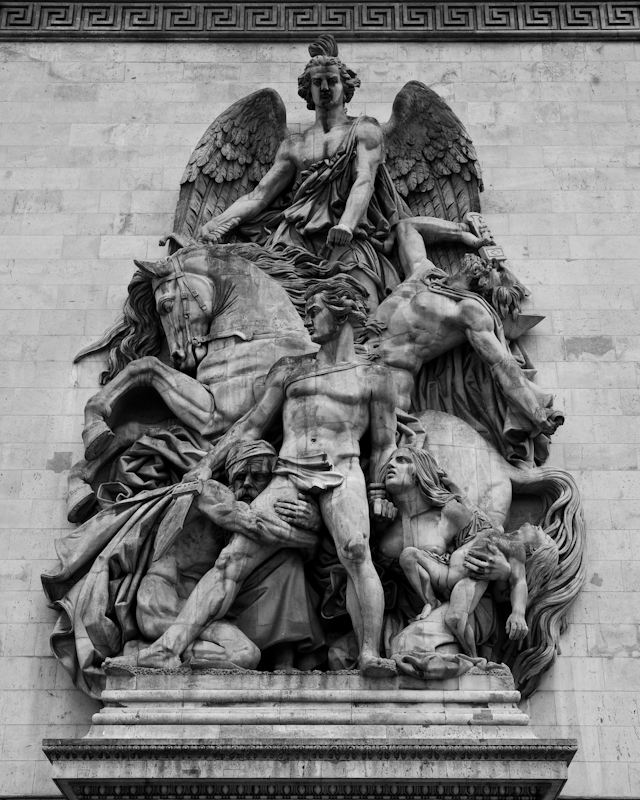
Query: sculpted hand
{"points": [[200, 472], [303, 512], [517, 628], [492, 566], [382, 510], [216, 229], [339, 234]]}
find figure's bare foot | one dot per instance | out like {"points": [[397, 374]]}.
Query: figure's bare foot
{"points": [[150, 657], [425, 612], [376, 667]]}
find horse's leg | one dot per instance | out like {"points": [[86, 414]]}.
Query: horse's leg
{"points": [[187, 398]]}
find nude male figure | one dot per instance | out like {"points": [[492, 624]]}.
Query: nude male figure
{"points": [[327, 402], [416, 324]]}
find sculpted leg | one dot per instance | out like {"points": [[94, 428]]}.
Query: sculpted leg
{"points": [[210, 600], [346, 514], [221, 644], [422, 572], [465, 596]]}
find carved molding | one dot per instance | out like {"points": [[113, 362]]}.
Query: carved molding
{"points": [[535, 750], [454, 790], [375, 20]]}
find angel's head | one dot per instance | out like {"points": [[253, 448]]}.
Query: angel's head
{"points": [[326, 81]]}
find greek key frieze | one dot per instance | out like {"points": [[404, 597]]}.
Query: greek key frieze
{"points": [[279, 21]]}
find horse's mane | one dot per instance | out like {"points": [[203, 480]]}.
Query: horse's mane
{"points": [[143, 332], [292, 267]]}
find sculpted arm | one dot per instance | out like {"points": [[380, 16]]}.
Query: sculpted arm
{"points": [[382, 423], [270, 187], [478, 327], [516, 625], [369, 156], [250, 427], [218, 504]]}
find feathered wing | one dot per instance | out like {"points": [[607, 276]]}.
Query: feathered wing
{"points": [[432, 163], [237, 150]]}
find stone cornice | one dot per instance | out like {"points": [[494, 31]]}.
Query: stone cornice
{"points": [[297, 20], [562, 750]]}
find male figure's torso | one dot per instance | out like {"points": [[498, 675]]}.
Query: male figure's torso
{"points": [[316, 144], [419, 325], [326, 409]]}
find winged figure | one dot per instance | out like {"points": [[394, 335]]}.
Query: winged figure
{"points": [[386, 203], [395, 205]]}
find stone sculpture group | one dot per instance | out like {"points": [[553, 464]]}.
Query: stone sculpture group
{"points": [[332, 304]]}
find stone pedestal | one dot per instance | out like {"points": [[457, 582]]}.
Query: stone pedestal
{"points": [[240, 735]]}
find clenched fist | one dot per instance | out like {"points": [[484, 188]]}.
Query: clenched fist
{"points": [[340, 234]]}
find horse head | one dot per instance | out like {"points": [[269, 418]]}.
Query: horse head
{"points": [[185, 298]]}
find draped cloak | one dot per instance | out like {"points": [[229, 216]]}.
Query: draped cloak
{"points": [[103, 561], [318, 200]]}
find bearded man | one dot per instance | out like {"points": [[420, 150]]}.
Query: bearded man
{"points": [[272, 612], [327, 402]]}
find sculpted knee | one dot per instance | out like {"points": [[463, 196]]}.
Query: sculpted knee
{"points": [[455, 618], [355, 550], [228, 564], [246, 655], [408, 557]]}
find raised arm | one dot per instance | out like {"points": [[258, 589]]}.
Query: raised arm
{"points": [[246, 208], [250, 427], [369, 156]]}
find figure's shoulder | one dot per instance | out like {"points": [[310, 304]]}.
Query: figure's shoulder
{"points": [[289, 364], [455, 510], [369, 131], [379, 377], [472, 311], [374, 370]]}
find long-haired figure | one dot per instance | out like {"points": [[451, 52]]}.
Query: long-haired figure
{"points": [[450, 550]]}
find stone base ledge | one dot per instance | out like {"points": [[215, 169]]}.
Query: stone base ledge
{"points": [[245, 735], [284, 769]]}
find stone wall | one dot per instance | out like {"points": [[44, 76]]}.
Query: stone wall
{"points": [[93, 139]]}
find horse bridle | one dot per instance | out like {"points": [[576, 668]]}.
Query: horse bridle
{"points": [[185, 290]]}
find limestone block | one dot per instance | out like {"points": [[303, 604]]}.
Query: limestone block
{"points": [[610, 544], [625, 514]]}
